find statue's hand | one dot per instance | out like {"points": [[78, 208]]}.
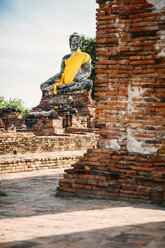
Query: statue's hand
{"points": [[79, 77], [76, 79]]}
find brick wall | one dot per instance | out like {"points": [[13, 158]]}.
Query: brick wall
{"points": [[30, 163], [129, 162], [68, 112], [11, 118], [13, 142]]}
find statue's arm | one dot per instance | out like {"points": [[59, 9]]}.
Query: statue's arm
{"points": [[54, 78], [57, 76], [85, 72], [62, 65]]}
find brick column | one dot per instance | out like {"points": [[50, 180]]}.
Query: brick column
{"points": [[129, 162]]}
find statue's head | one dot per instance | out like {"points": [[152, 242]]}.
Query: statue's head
{"points": [[75, 41]]}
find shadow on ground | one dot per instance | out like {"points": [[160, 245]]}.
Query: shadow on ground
{"points": [[132, 236], [35, 195]]}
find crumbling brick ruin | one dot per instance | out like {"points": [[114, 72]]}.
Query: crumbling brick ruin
{"points": [[24, 151], [71, 112], [129, 161], [52, 137], [11, 118]]}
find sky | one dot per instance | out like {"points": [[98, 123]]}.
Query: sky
{"points": [[34, 36]]}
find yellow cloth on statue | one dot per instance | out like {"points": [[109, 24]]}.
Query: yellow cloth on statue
{"points": [[72, 65]]}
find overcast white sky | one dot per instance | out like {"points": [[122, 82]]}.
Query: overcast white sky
{"points": [[34, 38]]}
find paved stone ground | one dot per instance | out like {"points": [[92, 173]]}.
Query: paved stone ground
{"points": [[31, 216]]}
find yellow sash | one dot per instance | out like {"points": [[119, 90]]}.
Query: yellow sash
{"points": [[72, 66]]}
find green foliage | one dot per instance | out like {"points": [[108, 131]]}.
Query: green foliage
{"points": [[14, 102], [3, 193], [89, 46], [2, 102], [147, 175]]}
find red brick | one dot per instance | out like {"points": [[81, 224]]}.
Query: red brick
{"points": [[133, 62], [138, 20], [139, 62], [103, 189], [66, 180]]}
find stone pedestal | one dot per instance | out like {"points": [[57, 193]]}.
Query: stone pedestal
{"points": [[62, 113]]}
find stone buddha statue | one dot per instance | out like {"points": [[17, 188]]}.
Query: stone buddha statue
{"points": [[75, 70]]}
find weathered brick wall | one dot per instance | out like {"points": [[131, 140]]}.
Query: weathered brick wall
{"points": [[31, 163], [11, 118], [13, 142], [129, 162], [130, 76], [68, 112]]}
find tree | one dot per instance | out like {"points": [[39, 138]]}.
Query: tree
{"points": [[14, 102], [89, 46]]}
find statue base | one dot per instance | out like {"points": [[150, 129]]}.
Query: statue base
{"points": [[70, 112]]}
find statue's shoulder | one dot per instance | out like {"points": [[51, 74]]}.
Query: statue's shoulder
{"points": [[66, 57], [86, 55]]}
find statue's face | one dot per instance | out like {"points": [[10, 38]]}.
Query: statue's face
{"points": [[74, 43]]}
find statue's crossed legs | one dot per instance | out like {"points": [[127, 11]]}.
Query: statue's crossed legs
{"points": [[75, 86]]}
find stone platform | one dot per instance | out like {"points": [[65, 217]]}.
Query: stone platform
{"points": [[56, 114], [39, 161], [12, 142], [23, 151]]}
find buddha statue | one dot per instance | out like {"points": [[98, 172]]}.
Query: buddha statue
{"points": [[75, 70]]}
